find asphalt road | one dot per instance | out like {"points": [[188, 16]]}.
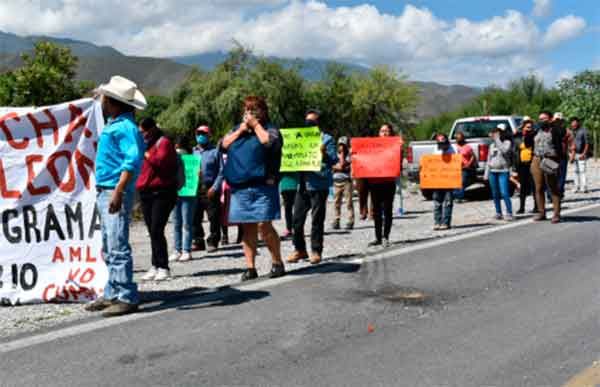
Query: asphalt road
{"points": [[518, 307]]}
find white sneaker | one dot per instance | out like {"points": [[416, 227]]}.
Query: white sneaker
{"points": [[162, 275], [150, 274], [385, 243], [175, 256], [185, 256]]}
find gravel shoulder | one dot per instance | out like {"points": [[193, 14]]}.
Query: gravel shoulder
{"points": [[225, 266]]}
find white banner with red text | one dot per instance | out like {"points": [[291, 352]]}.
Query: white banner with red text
{"points": [[50, 239]]}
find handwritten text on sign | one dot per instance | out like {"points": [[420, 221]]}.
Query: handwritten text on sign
{"points": [[301, 150], [441, 171], [50, 241], [375, 157], [191, 167]]}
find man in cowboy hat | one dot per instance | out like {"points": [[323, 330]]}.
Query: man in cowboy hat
{"points": [[118, 160]]}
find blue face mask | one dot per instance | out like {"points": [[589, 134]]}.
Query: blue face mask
{"points": [[202, 139]]}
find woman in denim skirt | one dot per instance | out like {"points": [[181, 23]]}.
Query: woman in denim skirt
{"points": [[252, 171]]}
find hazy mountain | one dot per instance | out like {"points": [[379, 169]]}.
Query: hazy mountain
{"points": [[162, 75], [311, 69]]}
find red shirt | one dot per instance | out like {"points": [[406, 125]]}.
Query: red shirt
{"points": [[158, 169], [467, 154]]}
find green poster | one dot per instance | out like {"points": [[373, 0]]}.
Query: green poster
{"points": [[301, 150], [191, 166]]}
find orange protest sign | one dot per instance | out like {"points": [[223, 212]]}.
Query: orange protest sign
{"points": [[441, 171], [376, 157]]}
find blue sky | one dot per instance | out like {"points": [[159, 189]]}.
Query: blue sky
{"points": [[580, 53], [472, 42]]}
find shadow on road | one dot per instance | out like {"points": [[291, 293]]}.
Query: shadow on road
{"points": [[208, 273], [471, 225], [238, 254], [579, 219], [329, 267], [198, 297], [575, 200]]}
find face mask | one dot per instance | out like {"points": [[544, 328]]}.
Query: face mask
{"points": [[202, 139], [461, 142], [310, 123]]}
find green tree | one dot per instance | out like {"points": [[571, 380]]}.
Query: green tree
{"points": [[381, 96], [581, 97], [47, 77], [215, 97], [333, 95], [156, 105]]}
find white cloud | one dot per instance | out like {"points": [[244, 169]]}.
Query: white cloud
{"points": [[542, 8], [563, 29], [424, 45]]}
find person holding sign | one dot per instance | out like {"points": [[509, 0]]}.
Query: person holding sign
{"points": [[118, 161], [443, 199], [253, 151], [497, 169], [157, 186], [382, 192], [209, 189], [185, 208], [342, 182], [313, 189]]}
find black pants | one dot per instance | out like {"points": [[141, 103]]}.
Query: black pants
{"points": [[316, 203], [289, 197], [382, 198], [212, 207], [156, 207], [527, 185]]}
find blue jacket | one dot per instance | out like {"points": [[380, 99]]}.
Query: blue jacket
{"points": [[120, 148], [211, 166], [322, 180]]}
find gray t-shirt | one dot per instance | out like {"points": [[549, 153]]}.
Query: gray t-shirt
{"points": [[543, 144], [581, 139], [343, 176]]}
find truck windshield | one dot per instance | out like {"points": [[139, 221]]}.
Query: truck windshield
{"points": [[480, 128]]}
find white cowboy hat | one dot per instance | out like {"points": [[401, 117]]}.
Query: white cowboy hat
{"points": [[558, 116], [124, 90], [502, 127]]}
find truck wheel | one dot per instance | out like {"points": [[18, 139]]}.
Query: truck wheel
{"points": [[427, 194]]}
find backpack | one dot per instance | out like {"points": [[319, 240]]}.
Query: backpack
{"points": [[246, 162], [180, 169]]}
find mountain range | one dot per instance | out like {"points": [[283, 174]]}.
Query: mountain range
{"points": [[163, 75]]}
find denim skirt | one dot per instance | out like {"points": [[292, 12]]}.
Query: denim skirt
{"points": [[254, 204]]}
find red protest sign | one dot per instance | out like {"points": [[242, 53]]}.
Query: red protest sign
{"points": [[376, 157]]}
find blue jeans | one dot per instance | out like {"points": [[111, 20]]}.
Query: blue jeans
{"points": [[442, 206], [183, 219], [499, 182], [467, 176], [116, 249], [564, 163]]}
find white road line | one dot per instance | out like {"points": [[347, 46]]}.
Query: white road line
{"points": [[105, 323]]}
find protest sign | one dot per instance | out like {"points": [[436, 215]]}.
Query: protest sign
{"points": [[50, 240], [301, 150], [191, 166], [376, 157], [441, 171]]}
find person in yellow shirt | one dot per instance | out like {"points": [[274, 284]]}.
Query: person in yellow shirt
{"points": [[524, 156]]}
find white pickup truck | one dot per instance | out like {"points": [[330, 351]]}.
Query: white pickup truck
{"points": [[476, 131]]}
